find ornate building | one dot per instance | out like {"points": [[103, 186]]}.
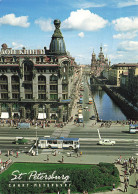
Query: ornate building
{"points": [[37, 83], [99, 64]]}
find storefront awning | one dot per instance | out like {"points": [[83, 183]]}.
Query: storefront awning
{"points": [[4, 115], [15, 113], [41, 115]]}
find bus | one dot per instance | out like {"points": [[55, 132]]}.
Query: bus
{"points": [[23, 126], [81, 100], [90, 100], [80, 118], [133, 128], [80, 111], [59, 143]]}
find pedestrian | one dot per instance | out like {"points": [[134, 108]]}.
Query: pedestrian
{"points": [[47, 157], [68, 191], [137, 183], [8, 153], [16, 154], [128, 179], [62, 159], [125, 187], [125, 179]]}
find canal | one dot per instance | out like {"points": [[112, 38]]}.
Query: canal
{"points": [[106, 108]]}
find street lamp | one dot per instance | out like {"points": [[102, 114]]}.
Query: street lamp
{"points": [[36, 142], [43, 117]]}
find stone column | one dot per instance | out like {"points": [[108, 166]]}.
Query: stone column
{"points": [[48, 86], [35, 87], [35, 107], [9, 87], [0, 110], [10, 110], [22, 112], [69, 110], [60, 88], [22, 93], [60, 116], [47, 111]]}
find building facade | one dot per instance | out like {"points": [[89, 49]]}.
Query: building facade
{"points": [[117, 70], [37, 84]]}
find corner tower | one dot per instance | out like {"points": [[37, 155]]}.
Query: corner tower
{"points": [[57, 45]]}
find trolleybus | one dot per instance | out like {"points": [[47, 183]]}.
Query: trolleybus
{"points": [[57, 143], [133, 128]]}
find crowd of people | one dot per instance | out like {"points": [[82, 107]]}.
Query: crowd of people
{"points": [[5, 165], [129, 167]]}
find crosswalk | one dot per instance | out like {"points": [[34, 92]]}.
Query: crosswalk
{"points": [[61, 132]]}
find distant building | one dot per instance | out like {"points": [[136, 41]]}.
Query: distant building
{"points": [[117, 70], [37, 84], [99, 64]]}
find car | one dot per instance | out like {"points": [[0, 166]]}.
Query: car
{"points": [[92, 117], [20, 140], [106, 142]]}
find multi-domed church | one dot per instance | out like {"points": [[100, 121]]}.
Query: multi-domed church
{"points": [[38, 83], [99, 64]]}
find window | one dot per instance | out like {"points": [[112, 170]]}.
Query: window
{"points": [[4, 87], [64, 96], [41, 87], [28, 96], [15, 96], [41, 96], [64, 87], [28, 86], [15, 87], [4, 107], [41, 78], [53, 96], [28, 78], [37, 59], [4, 96], [53, 78], [53, 87]]}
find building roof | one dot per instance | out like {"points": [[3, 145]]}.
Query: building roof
{"points": [[125, 65]]}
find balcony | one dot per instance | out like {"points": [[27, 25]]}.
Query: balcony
{"points": [[3, 90], [27, 82], [53, 82], [54, 91]]}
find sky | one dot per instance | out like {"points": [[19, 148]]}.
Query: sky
{"points": [[85, 25]]}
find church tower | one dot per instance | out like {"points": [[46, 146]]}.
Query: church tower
{"points": [[101, 55], [93, 61]]}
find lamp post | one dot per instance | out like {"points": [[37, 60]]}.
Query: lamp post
{"points": [[43, 117], [36, 143]]}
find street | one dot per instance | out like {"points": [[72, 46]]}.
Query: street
{"points": [[126, 143]]}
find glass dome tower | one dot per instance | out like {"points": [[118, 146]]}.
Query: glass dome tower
{"points": [[57, 45]]}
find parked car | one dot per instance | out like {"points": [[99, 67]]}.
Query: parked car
{"points": [[92, 117]]}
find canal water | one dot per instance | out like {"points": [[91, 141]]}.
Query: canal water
{"points": [[106, 108]]}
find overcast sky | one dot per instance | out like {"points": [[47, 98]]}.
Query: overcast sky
{"points": [[85, 25]]}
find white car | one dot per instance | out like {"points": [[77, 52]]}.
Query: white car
{"points": [[106, 142]]}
